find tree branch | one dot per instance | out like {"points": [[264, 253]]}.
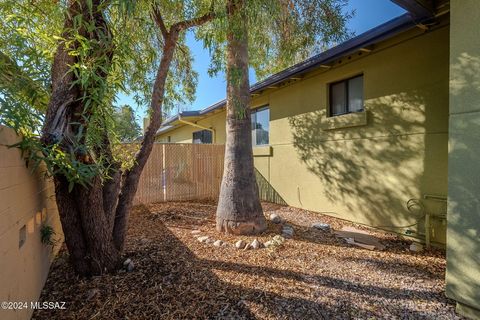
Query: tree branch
{"points": [[157, 17], [183, 25]]}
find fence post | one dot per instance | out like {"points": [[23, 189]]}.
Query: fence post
{"points": [[165, 173]]}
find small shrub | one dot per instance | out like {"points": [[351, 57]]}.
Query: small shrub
{"points": [[47, 234]]}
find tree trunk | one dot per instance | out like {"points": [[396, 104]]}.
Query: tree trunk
{"points": [[132, 176], [85, 222], [239, 210], [94, 217]]}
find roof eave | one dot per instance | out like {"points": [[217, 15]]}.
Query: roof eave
{"points": [[375, 35]]}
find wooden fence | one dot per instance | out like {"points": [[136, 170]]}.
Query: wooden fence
{"points": [[181, 172], [176, 172]]}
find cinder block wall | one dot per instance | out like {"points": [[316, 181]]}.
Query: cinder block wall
{"points": [[27, 202]]}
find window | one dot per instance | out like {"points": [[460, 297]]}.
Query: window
{"points": [[203, 136], [260, 126], [346, 96]]}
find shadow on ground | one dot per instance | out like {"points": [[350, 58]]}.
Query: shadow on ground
{"points": [[177, 277]]}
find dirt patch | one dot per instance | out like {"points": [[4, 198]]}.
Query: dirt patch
{"points": [[313, 275]]}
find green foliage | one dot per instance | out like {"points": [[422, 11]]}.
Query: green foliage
{"points": [[47, 233], [280, 33], [126, 126], [121, 58]]}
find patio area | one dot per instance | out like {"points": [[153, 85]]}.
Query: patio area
{"points": [[313, 275]]}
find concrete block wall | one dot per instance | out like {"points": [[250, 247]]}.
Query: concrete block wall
{"points": [[27, 201]]}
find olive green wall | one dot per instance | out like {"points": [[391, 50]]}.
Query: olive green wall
{"points": [[463, 235], [362, 167]]}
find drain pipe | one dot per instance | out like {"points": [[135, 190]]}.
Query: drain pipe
{"points": [[214, 136]]}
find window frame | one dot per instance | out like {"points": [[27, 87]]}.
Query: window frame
{"points": [[202, 133], [346, 97], [253, 113]]}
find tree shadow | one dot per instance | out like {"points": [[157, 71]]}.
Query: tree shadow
{"points": [[370, 172]]}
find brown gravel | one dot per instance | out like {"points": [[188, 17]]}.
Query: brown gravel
{"points": [[312, 276]]}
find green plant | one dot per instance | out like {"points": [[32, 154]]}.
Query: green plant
{"points": [[47, 233]]}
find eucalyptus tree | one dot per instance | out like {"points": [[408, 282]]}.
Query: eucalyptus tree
{"points": [[72, 58], [267, 35]]}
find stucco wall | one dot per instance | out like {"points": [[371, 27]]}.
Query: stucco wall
{"points": [[183, 134], [26, 203], [463, 245], [397, 151]]}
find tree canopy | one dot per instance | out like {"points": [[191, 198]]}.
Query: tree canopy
{"points": [[126, 127]]}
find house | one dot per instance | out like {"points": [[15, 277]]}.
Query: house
{"points": [[381, 130]]}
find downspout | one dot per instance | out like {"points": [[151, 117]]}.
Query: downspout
{"points": [[214, 136]]}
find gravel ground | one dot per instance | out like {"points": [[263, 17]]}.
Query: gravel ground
{"points": [[314, 275]]}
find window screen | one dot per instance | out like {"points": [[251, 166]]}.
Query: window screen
{"points": [[346, 96]]}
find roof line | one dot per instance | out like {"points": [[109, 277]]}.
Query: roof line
{"points": [[374, 35]]}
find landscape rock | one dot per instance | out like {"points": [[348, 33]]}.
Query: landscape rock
{"points": [[278, 240], [287, 231], [275, 218], [416, 247], [203, 238], [256, 244], [218, 243], [127, 262], [240, 244], [321, 226], [130, 267], [268, 244]]}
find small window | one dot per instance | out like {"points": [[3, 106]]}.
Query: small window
{"points": [[169, 139], [260, 126], [346, 96], [203, 136]]}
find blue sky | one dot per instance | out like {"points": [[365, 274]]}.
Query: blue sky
{"points": [[368, 14]]}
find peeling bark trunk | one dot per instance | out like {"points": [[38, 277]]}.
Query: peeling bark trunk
{"points": [[239, 210]]}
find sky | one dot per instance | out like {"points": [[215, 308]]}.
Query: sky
{"points": [[368, 14]]}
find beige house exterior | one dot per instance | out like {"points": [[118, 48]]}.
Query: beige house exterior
{"points": [[394, 163]]}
